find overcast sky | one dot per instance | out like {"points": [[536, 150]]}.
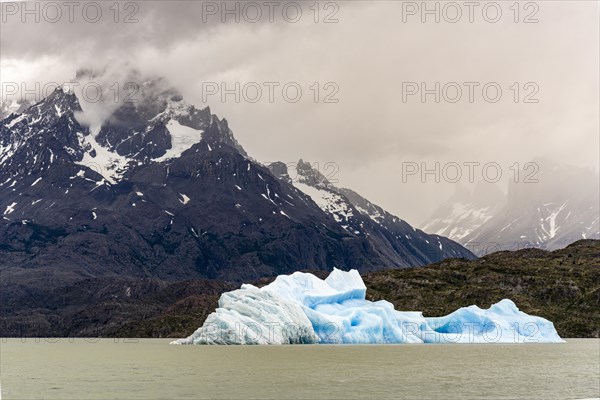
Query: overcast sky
{"points": [[374, 55]]}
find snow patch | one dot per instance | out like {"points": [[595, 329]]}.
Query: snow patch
{"points": [[182, 138], [329, 202], [109, 164], [184, 199], [10, 209]]}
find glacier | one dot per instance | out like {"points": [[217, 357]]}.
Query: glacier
{"points": [[302, 309]]}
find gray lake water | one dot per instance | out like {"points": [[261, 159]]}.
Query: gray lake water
{"points": [[152, 369]]}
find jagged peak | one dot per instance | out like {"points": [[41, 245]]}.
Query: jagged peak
{"points": [[61, 103], [280, 171], [63, 99], [162, 125], [310, 176], [177, 108], [219, 132]]}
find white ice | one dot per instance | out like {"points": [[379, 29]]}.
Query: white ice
{"points": [[301, 308]]}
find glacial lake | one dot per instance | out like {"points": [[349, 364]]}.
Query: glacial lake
{"points": [[152, 369]]}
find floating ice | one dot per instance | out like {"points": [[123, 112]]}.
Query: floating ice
{"points": [[301, 308]]}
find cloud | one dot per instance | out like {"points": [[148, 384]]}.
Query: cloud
{"points": [[368, 55]]}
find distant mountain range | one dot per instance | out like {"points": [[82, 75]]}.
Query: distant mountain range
{"points": [[562, 207], [465, 211], [163, 190]]}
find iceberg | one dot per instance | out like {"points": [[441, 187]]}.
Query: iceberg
{"points": [[303, 309]]}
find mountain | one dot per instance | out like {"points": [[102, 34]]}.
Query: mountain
{"points": [[560, 207], [466, 211], [13, 107], [391, 237], [162, 190]]}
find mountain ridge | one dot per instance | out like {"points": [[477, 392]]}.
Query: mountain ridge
{"points": [[560, 207], [359, 216], [164, 190]]}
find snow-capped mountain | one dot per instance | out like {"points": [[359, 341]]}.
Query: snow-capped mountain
{"points": [[563, 206], [466, 211], [391, 236], [163, 189]]}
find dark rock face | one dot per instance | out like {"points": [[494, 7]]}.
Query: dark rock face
{"points": [[280, 170], [391, 237], [46, 132], [164, 191]]}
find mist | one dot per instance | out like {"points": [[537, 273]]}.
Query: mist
{"points": [[354, 74]]}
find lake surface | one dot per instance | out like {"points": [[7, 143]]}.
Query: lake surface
{"points": [[152, 369]]}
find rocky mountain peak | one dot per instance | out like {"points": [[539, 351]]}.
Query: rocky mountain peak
{"points": [[17, 107], [43, 134], [156, 126], [280, 171], [62, 102], [310, 176], [160, 124]]}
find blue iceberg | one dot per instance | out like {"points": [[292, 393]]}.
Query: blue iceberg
{"points": [[302, 309]]}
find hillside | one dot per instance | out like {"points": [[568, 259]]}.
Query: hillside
{"points": [[562, 286]]}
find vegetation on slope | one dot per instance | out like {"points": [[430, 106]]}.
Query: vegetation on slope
{"points": [[562, 286]]}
